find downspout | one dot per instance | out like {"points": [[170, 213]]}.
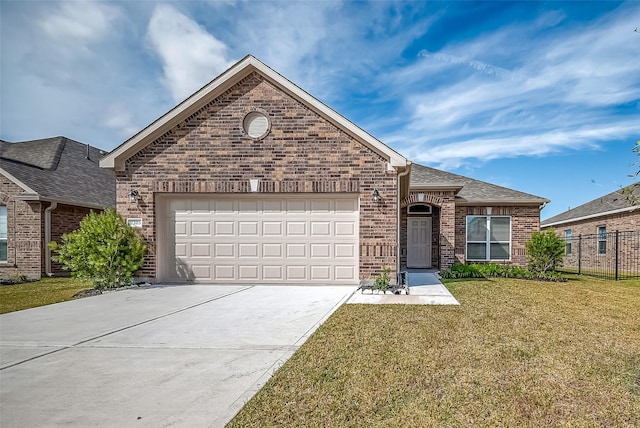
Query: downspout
{"points": [[47, 237], [398, 255]]}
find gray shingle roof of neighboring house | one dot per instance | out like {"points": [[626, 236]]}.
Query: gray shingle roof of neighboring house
{"points": [[471, 191], [58, 169], [607, 204]]}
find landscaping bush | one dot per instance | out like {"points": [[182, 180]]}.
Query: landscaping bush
{"points": [[105, 250], [493, 270], [545, 251]]}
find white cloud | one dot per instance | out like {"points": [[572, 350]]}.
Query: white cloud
{"points": [[554, 93], [75, 25], [190, 55]]}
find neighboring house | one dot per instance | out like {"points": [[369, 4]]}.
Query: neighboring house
{"points": [[253, 180], [619, 210], [593, 226], [47, 187]]}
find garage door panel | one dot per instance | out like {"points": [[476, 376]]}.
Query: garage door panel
{"points": [[296, 228], [320, 273], [272, 272], [297, 273], [202, 228], [180, 228], [248, 250], [296, 250], [272, 250], [320, 228], [201, 250], [272, 228], [225, 228], [224, 250], [345, 273], [249, 272], [248, 228], [201, 271], [321, 250], [252, 239], [225, 272], [344, 251]]}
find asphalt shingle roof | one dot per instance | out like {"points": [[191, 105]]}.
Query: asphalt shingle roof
{"points": [[611, 202], [58, 169], [473, 191]]}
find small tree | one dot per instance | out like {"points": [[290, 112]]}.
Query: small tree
{"points": [[104, 249], [545, 251]]}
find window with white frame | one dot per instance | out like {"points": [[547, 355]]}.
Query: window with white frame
{"points": [[602, 240], [488, 238], [567, 241], [3, 233]]}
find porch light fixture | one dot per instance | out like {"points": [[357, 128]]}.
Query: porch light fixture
{"points": [[134, 195], [376, 196]]}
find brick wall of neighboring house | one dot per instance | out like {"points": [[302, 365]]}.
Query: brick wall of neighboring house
{"points": [[524, 221], [589, 254], [24, 238], [65, 219], [303, 153]]}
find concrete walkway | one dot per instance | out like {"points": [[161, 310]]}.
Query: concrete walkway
{"points": [[425, 288], [183, 356]]}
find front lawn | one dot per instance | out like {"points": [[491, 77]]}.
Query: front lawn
{"points": [[515, 353], [39, 293]]}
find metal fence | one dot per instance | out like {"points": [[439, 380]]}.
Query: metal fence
{"points": [[611, 255]]}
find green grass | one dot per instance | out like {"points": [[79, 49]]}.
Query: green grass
{"points": [[515, 353], [44, 292]]}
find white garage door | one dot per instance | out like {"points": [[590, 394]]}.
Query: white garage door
{"points": [[262, 240]]}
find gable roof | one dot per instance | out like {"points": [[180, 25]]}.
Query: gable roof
{"points": [[221, 84], [469, 191], [58, 169], [612, 203]]}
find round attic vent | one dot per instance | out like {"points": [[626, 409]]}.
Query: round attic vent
{"points": [[256, 125]]}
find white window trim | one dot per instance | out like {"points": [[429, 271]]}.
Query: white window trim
{"points": [[488, 239], [598, 253], [568, 235]]}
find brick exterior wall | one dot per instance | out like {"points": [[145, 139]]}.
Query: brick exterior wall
{"points": [[590, 259], [303, 153], [524, 221], [24, 237], [25, 232], [64, 219]]}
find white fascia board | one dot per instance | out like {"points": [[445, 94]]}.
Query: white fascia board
{"points": [[17, 182], [592, 216], [218, 86]]}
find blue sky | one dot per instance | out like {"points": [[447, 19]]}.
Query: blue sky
{"points": [[542, 97]]}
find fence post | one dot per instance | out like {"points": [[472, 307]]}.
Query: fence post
{"points": [[617, 253], [579, 253]]}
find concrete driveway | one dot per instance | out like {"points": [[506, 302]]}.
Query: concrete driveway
{"points": [[188, 355]]}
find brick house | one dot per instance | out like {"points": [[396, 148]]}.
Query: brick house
{"points": [[252, 179], [47, 187], [594, 223]]}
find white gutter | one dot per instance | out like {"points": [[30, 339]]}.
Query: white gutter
{"points": [[398, 252], [586, 217], [47, 237]]}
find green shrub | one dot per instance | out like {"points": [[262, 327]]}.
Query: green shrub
{"points": [[545, 251], [105, 250], [382, 280], [493, 270]]}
